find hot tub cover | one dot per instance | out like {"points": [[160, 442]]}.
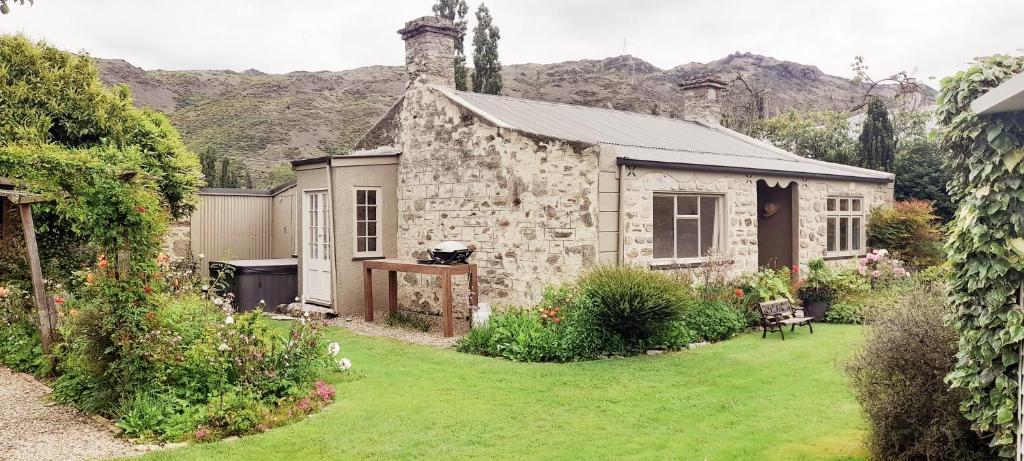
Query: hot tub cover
{"points": [[263, 266]]}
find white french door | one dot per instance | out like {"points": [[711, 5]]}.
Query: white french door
{"points": [[317, 246]]}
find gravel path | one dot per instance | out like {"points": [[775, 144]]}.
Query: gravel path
{"points": [[34, 428], [434, 337]]}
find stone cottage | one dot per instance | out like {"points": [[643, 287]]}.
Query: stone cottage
{"points": [[542, 190]]}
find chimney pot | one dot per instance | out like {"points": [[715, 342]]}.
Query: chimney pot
{"points": [[700, 100], [430, 50]]}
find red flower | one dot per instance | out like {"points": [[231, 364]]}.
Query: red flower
{"points": [[58, 300], [796, 268], [141, 209], [148, 289], [740, 293], [103, 263]]}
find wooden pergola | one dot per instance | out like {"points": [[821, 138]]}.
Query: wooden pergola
{"points": [[44, 304]]}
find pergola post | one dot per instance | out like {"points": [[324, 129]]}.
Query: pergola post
{"points": [[46, 311]]}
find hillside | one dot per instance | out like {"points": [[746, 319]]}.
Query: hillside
{"points": [[268, 119]]}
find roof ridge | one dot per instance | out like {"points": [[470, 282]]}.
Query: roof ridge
{"points": [[577, 106], [692, 151]]}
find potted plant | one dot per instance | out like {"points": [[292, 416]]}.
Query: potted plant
{"points": [[817, 293]]}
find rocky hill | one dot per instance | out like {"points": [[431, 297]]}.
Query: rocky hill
{"points": [[267, 119]]}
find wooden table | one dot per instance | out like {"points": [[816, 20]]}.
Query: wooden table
{"points": [[394, 266]]}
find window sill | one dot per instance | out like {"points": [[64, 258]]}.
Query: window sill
{"points": [[669, 265], [841, 257], [367, 258]]}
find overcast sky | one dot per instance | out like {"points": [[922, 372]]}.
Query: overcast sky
{"points": [[928, 37]]}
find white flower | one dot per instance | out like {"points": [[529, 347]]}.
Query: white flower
{"points": [[303, 320], [201, 256], [333, 348], [218, 301], [224, 347], [344, 363], [229, 320]]}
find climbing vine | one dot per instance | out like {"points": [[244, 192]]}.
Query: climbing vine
{"points": [[986, 246]]}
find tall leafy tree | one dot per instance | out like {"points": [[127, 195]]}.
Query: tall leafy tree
{"points": [[876, 146], [486, 66], [456, 11]]}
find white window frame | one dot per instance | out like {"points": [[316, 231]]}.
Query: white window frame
{"points": [[838, 213], [722, 225], [379, 252]]}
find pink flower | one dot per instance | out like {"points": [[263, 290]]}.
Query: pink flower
{"points": [[201, 434], [863, 261], [325, 391], [303, 404], [876, 273]]}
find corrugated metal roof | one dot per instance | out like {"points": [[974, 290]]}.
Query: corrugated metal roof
{"points": [[650, 139]]}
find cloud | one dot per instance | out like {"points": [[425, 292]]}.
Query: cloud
{"points": [[936, 37]]}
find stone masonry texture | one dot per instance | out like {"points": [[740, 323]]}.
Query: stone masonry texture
{"points": [[527, 206], [740, 197]]}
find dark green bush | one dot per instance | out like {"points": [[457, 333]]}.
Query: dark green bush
{"points": [[630, 305], [610, 311], [714, 320], [898, 377], [19, 337]]}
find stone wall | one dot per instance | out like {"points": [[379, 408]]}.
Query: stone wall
{"points": [[740, 198], [527, 206], [178, 241]]}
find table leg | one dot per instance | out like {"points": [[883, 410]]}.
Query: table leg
{"points": [[392, 292], [446, 303], [368, 293], [474, 287]]}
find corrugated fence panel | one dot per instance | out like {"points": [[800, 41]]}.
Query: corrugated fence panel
{"points": [[283, 222], [232, 227]]}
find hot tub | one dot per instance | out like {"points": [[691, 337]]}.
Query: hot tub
{"points": [[272, 280]]}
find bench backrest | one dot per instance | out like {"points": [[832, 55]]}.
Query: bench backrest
{"points": [[776, 308]]}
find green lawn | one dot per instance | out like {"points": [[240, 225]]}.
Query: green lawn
{"points": [[744, 399]]}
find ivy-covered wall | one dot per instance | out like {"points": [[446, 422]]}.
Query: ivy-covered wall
{"points": [[986, 246]]}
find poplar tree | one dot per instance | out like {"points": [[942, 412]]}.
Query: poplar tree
{"points": [[486, 67], [456, 11], [876, 146]]}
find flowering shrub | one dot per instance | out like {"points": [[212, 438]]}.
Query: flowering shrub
{"points": [[210, 372], [880, 267]]}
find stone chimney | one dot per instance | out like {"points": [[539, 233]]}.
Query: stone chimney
{"points": [[700, 100], [430, 50]]}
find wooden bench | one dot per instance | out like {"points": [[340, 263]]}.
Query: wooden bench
{"points": [[775, 315]]}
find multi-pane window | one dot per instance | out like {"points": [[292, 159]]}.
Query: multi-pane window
{"points": [[367, 221], [318, 226], [845, 222], [687, 225]]}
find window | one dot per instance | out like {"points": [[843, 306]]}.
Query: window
{"points": [[367, 221], [318, 226], [687, 225], [844, 221]]}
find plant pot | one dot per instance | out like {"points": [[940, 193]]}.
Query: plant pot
{"points": [[817, 310]]}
